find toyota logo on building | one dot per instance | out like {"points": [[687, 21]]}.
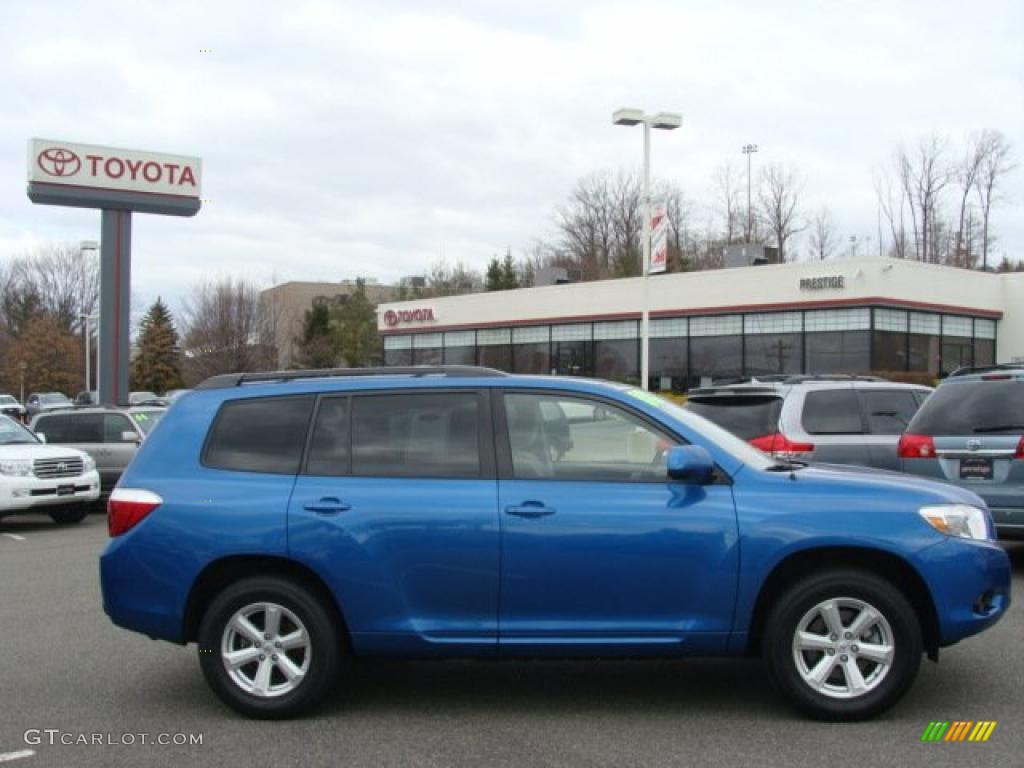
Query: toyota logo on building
{"points": [[391, 318], [419, 315], [57, 161]]}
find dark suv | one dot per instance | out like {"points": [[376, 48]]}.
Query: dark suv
{"points": [[971, 432]]}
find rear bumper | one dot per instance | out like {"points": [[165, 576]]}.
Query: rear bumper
{"points": [[970, 583]]}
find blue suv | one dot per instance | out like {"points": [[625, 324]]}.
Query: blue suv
{"points": [[285, 521]]}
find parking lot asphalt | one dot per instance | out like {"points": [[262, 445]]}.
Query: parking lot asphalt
{"points": [[64, 666]]}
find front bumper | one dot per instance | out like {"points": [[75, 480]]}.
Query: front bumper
{"points": [[970, 583], [26, 494]]}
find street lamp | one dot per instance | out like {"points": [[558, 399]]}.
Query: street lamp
{"points": [[88, 245], [748, 150], [666, 121], [22, 367]]}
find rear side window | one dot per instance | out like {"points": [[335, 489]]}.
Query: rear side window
{"points": [[832, 412], [114, 426], [972, 407], [416, 435], [329, 448], [888, 411], [746, 417], [56, 428], [264, 434]]}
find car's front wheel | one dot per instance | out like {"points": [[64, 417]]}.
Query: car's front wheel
{"points": [[69, 515], [843, 644], [269, 648]]}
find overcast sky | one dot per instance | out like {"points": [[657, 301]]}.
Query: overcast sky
{"points": [[348, 138]]}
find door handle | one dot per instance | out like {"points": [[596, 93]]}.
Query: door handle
{"points": [[530, 509], [328, 505]]}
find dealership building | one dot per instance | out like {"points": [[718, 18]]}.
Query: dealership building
{"points": [[871, 315]]}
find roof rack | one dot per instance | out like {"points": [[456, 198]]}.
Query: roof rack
{"points": [[226, 380], [966, 370], [794, 378]]}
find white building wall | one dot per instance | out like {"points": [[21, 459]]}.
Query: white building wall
{"points": [[932, 287]]}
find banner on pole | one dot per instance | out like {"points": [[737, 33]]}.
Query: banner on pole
{"points": [[659, 238]]}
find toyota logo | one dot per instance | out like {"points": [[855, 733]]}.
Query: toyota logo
{"points": [[62, 467], [973, 444], [391, 318], [56, 161]]}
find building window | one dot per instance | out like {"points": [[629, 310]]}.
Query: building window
{"points": [[531, 350], [494, 348], [427, 349], [838, 352], [667, 364], [773, 353], [956, 353], [617, 351], [715, 357], [891, 320], [460, 348], [574, 332], [398, 350], [984, 352], [838, 320]]}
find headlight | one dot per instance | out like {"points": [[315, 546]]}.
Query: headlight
{"points": [[16, 467], [88, 463], [961, 520]]}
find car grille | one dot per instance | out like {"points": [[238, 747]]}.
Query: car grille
{"points": [[45, 469]]}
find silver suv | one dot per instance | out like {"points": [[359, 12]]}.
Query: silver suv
{"points": [[110, 435], [835, 419], [971, 433]]}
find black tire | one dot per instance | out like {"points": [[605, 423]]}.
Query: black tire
{"points": [[325, 647], [69, 515], [797, 601]]}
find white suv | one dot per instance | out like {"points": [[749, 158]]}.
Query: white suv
{"points": [[36, 477]]}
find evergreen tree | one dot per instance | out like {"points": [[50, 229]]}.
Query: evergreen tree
{"points": [[157, 363], [494, 279], [316, 347], [509, 278], [356, 321]]}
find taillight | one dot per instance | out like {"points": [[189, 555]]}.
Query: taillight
{"points": [[127, 506], [778, 444], [1020, 450], [916, 447]]}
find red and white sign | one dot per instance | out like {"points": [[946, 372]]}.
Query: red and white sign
{"points": [[659, 238], [394, 317], [108, 168]]}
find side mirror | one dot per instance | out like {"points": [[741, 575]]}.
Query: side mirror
{"points": [[690, 464], [41, 436]]}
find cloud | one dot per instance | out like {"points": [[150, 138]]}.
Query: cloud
{"points": [[371, 138]]}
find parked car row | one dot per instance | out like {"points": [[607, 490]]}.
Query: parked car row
{"points": [[969, 431]]}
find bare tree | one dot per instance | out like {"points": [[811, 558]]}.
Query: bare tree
{"points": [[627, 214], [678, 210], [779, 196], [824, 237], [995, 163], [56, 279], [924, 176], [966, 176], [893, 205], [227, 330], [586, 224], [726, 185]]}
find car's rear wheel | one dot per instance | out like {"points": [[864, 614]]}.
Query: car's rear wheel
{"points": [[843, 645], [269, 648], [69, 515]]}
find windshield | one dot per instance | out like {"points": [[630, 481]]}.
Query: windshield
{"points": [[53, 397], [12, 433], [726, 440], [148, 419], [7, 400], [141, 397]]}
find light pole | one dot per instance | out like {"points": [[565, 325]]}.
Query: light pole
{"points": [[666, 121], [88, 245], [749, 150], [22, 366]]}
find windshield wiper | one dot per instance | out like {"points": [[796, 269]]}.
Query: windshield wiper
{"points": [[787, 466], [1000, 428]]}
